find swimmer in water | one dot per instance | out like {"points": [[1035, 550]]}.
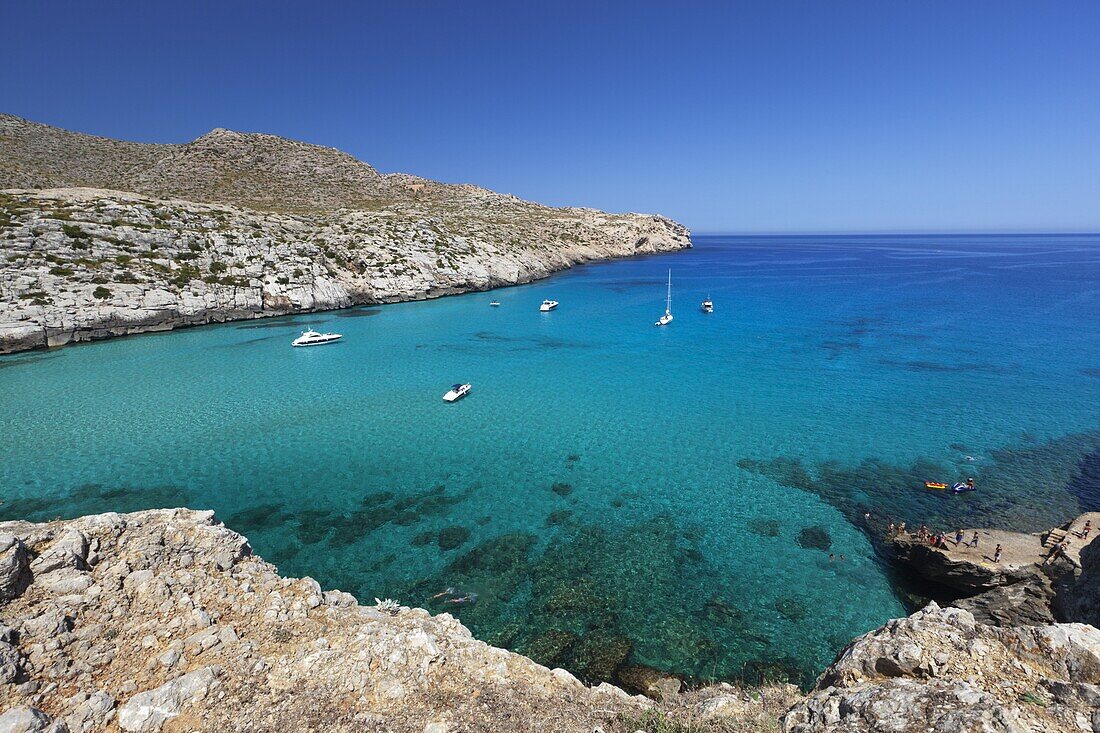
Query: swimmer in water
{"points": [[470, 598], [445, 592]]}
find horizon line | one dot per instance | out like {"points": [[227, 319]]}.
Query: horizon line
{"points": [[897, 233]]}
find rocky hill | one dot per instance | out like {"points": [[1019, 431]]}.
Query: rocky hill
{"points": [[100, 237], [165, 620]]}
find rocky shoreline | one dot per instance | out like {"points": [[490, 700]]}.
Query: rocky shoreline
{"points": [[166, 620], [1032, 583], [102, 238], [88, 264]]}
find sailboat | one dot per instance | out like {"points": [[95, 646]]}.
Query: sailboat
{"points": [[667, 317]]}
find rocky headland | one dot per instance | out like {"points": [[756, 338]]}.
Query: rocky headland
{"points": [[1039, 578], [165, 620], [102, 237]]}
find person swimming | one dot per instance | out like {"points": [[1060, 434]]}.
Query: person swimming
{"points": [[470, 598], [448, 591]]}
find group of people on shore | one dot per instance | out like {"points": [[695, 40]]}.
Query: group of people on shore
{"points": [[938, 540]]}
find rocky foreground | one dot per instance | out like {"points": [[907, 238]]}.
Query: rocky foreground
{"points": [[165, 620], [102, 237]]}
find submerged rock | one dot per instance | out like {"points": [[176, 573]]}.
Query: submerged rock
{"points": [[452, 537], [649, 682], [764, 527], [815, 538]]}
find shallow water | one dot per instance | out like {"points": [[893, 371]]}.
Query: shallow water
{"points": [[609, 490]]}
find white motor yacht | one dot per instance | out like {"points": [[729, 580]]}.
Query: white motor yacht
{"points": [[495, 303], [310, 337], [457, 392], [548, 305], [708, 305]]}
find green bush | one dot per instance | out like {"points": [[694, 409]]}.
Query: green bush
{"points": [[217, 267], [74, 232], [101, 292], [61, 271]]}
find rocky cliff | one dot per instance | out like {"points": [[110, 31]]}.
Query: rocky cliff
{"points": [[166, 620], [101, 237], [1031, 583]]}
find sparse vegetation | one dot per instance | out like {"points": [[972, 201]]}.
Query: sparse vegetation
{"points": [[73, 231], [101, 293]]}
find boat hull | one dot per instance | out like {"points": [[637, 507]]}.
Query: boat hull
{"points": [[317, 343]]}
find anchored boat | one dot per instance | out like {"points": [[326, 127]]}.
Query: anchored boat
{"points": [[667, 317], [457, 392], [548, 305], [310, 337]]}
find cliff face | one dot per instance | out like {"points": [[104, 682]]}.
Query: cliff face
{"points": [[101, 238], [165, 620]]}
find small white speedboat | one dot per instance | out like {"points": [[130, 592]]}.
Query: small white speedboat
{"points": [[495, 303], [457, 392], [310, 337], [548, 305], [708, 305]]}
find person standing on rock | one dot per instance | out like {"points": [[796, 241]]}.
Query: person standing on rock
{"points": [[1059, 549], [1086, 529], [997, 554], [958, 537], [974, 542]]}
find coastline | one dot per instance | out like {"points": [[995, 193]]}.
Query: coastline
{"points": [[164, 619], [90, 264]]}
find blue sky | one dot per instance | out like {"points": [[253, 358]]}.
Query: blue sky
{"points": [[739, 117]]}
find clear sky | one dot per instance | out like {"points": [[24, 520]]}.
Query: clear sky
{"points": [[771, 116]]}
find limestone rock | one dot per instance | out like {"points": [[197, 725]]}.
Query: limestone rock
{"points": [[14, 566], [147, 711], [940, 671], [29, 720]]}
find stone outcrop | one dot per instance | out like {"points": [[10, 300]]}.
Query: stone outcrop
{"points": [[165, 621], [101, 238], [1081, 601], [940, 671], [1027, 586]]}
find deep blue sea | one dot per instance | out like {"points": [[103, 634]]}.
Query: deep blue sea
{"points": [[610, 490]]}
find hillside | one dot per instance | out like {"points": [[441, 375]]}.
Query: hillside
{"points": [[100, 237]]}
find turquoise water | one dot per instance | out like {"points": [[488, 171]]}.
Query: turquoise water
{"points": [[611, 491]]}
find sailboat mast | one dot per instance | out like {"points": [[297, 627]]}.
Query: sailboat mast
{"points": [[668, 297]]}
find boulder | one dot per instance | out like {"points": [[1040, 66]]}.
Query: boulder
{"points": [[14, 567], [29, 720], [147, 711], [940, 671]]}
